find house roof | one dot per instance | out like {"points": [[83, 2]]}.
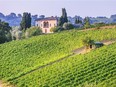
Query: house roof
{"points": [[47, 18]]}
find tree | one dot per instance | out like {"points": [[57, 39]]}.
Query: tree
{"points": [[33, 31], [56, 29], [63, 18], [5, 34], [88, 42], [26, 21], [18, 35], [68, 26], [78, 21], [86, 22]]}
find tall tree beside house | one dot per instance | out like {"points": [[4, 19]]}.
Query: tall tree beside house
{"points": [[26, 21], [86, 22], [63, 18]]}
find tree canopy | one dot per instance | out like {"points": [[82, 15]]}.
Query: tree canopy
{"points": [[5, 35], [87, 42], [86, 22]]}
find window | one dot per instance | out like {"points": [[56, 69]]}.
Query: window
{"points": [[46, 25]]}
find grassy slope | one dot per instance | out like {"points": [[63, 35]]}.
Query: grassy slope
{"points": [[98, 66], [18, 57]]}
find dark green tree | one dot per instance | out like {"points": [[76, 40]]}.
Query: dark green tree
{"points": [[26, 21], [5, 34], [86, 22], [63, 18], [78, 21], [88, 42]]}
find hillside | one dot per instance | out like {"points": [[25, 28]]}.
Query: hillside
{"points": [[20, 57], [97, 67]]}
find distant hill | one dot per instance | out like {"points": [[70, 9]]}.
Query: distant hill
{"points": [[14, 20], [93, 20]]}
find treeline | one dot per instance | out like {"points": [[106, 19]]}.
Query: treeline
{"points": [[65, 24], [26, 30], [16, 33]]}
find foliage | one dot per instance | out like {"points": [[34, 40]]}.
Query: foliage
{"points": [[77, 71], [63, 18], [68, 26], [5, 35], [78, 21], [33, 31], [26, 21], [56, 29], [8, 36], [16, 33], [19, 57], [86, 22], [87, 42]]}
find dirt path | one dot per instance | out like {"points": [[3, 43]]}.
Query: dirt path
{"points": [[104, 27], [1, 84], [4, 84], [108, 42], [82, 49]]}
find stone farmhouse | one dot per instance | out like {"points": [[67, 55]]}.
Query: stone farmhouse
{"points": [[46, 23]]}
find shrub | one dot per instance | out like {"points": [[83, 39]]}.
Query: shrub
{"points": [[33, 31], [9, 36], [68, 26], [56, 29], [16, 33]]}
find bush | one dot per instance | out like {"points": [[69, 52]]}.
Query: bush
{"points": [[9, 36], [56, 29], [68, 26], [33, 31], [16, 33]]}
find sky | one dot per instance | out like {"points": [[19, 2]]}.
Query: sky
{"points": [[81, 8]]}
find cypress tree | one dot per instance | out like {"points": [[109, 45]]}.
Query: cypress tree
{"points": [[86, 22], [63, 18], [26, 21]]}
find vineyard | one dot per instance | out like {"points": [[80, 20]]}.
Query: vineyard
{"points": [[20, 57], [98, 66]]}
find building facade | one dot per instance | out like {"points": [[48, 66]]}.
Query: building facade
{"points": [[46, 23]]}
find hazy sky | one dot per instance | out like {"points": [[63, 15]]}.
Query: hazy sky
{"points": [[53, 7]]}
